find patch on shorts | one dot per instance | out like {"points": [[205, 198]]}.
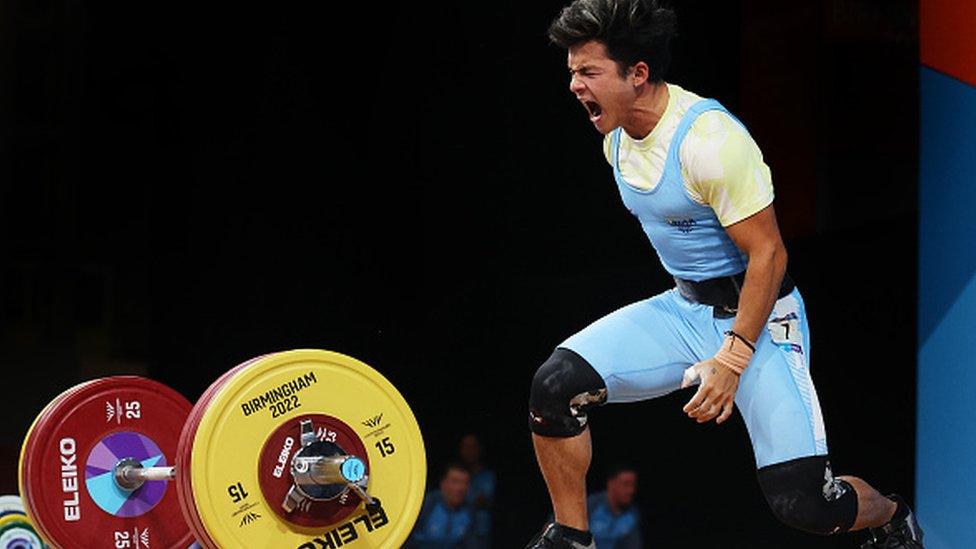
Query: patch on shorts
{"points": [[785, 332]]}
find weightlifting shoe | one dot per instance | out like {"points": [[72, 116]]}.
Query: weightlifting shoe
{"points": [[904, 534], [554, 536]]}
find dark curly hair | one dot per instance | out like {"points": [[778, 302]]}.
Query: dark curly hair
{"points": [[631, 30]]}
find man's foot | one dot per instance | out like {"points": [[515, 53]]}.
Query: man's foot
{"points": [[557, 536], [900, 533]]}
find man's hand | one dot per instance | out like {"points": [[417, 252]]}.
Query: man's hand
{"points": [[716, 393]]}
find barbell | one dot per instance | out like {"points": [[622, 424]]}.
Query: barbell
{"points": [[301, 449]]}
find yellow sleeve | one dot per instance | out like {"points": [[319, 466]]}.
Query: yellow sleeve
{"points": [[724, 168], [606, 148]]}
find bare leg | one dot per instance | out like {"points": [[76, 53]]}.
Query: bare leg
{"points": [[873, 509], [564, 462]]}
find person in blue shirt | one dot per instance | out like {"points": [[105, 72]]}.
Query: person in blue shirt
{"points": [[481, 495], [614, 517], [446, 521]]}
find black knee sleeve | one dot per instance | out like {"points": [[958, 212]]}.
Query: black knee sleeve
{"points": [[804, 494], [563, 389]]}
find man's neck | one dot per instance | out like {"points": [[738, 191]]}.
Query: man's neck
{"points": [[647, 111]]}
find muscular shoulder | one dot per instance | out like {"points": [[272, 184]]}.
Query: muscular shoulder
{"points": [[724, 168], [715, 145]]}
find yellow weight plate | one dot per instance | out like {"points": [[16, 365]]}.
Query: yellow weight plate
{"points": [[21, 476], [263, 399]]}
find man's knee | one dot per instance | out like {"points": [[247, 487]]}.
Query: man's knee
{"points": [[804, 494], [563, 389]]}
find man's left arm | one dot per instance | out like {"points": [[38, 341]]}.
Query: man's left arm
{"points": [[727, 172], [759, 238]]}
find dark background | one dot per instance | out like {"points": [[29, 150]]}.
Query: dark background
{"points": [[185, 187]]}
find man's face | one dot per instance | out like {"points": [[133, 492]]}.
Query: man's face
{"points": [[621, 488], [596, 82], [454, 487]]}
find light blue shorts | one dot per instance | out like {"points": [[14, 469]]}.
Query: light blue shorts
{"points": [[643, 349]]}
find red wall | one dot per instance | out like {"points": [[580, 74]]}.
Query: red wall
{"points": [[947, 32]]}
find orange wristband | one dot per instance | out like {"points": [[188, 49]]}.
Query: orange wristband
{"points": [[735, 353]]}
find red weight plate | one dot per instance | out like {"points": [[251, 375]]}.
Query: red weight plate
{"points": [[183, 482], [188, 506], [133, 415], [71, 457], [26, 467], [275, 478]]}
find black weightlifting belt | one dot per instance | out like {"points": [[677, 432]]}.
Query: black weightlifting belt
{"points": [[722, 293]]}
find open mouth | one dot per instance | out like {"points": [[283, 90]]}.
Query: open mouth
{"points": [[593, 108]]}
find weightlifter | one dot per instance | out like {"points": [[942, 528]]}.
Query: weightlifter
{"points": [[734, 324]]}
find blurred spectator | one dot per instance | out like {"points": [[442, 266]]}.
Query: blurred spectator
{"points": [[446, 520], [481, 496], [614, 518]]}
